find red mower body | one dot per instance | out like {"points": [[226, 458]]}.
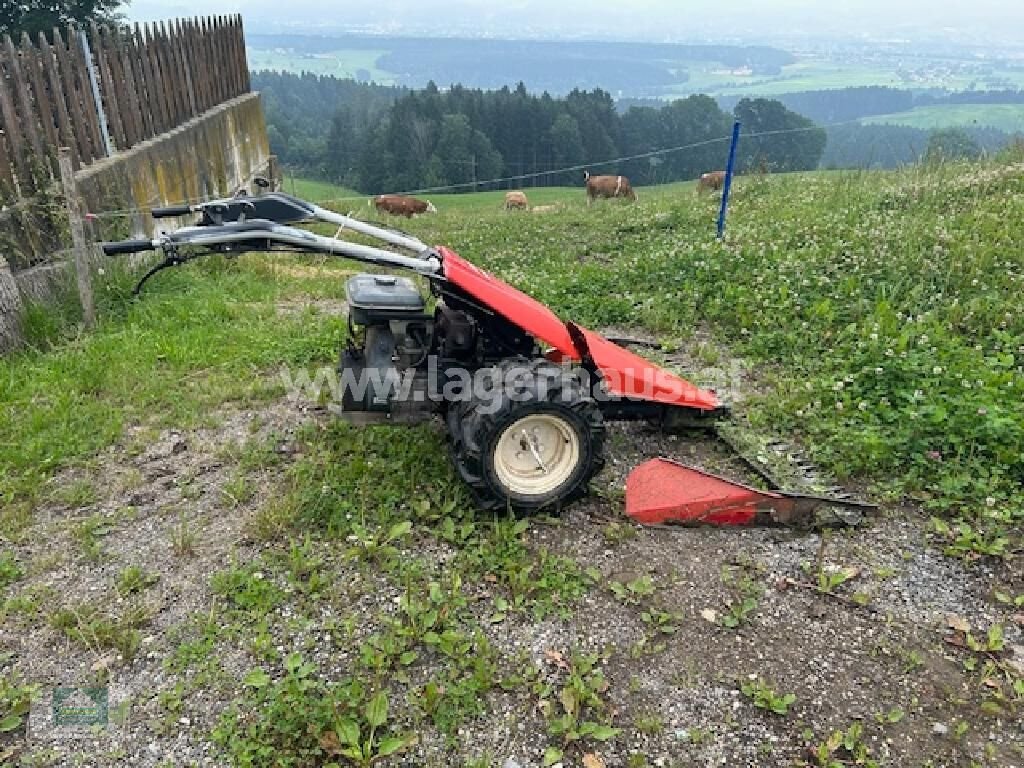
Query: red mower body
{"points": [[625, 374]]}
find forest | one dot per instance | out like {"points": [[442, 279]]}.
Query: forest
{"points": [[378, 139], [553, 66]]}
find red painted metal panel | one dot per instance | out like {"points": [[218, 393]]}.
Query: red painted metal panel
{"points": [[626, 374], [511, 303], [629, 375], [663, 491]]}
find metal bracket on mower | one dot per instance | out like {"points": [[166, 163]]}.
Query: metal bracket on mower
{"points": [[663, 491]]}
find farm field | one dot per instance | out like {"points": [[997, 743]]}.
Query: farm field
{"points": [[811, 71], [359, 64], [1005, 117], [261, 585]]}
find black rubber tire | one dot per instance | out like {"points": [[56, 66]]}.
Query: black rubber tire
{"points": [[476, 425]]}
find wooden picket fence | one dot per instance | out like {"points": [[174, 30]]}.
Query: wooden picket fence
{"points": [[151, 78]]}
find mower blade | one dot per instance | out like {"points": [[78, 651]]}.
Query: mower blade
{"points": [[783, 466]]}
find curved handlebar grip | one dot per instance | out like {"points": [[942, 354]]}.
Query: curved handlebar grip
{"points": [[171, 210], [127, 246]]}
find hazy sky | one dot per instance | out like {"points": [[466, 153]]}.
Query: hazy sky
{"points": [[1002, 20]]}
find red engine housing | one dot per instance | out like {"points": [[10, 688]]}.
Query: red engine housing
{"points": [[625, 374]]}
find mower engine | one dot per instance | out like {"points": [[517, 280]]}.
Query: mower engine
{"points": [[389, 339]]}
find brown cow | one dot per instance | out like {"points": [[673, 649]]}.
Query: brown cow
{"points": [[607, 186], [401, 205], [710, 181], [516, 200]]}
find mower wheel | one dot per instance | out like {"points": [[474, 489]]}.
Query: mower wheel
{"points": [[531, 439]]}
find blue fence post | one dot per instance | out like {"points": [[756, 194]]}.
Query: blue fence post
{"points": [[728, 178]]}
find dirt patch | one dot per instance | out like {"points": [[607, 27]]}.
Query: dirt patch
{"points": [[175, 505], [874, 653], [873, 650]]}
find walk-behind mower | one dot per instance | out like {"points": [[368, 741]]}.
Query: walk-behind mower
{"points": [[525, 396]]}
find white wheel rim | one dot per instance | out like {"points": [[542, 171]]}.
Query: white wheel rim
{"points": [[536, 454]]}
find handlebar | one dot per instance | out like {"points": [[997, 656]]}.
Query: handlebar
{"points": [[128, 246], [171, 210]]}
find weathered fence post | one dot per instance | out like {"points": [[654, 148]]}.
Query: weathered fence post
{"points": [[273, 174], [10, 308], [81, 248]]}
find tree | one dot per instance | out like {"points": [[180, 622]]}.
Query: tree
{"points": [[951, 144], [566, 148], [35, 16], [342, 146], [466, 154], [795, 143]]}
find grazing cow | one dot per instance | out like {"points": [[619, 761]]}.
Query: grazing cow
{"points": [[516, 200], [400, 205], [607, 186], [710, 181]]}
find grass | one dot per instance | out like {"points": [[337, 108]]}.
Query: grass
{"points": [[909, 280], [196, 339], [320, 191], [898, 291], [913, 391], [1005, 117]]}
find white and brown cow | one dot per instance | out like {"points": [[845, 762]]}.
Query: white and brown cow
{"points": [[607, 187], [402, 205], [516, 200], [708, 182]]}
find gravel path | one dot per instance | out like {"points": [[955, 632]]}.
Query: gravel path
{"points": [[886, 641]]}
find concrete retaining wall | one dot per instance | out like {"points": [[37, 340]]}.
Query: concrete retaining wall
{"points": [[209, 156]]}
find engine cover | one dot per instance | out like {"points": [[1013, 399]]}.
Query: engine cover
{"points": [[374, 299]]}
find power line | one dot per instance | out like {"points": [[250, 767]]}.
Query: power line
{"points": [[584, 166], [128, 212]]}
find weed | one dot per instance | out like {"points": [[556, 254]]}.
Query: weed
{"points": [[912, 660], [15, 700], [273, 520], [183, 537], [662, 622], [98, 629], [573, 707], [134, 579], [89, 533], [377, 545], [633, 592], [993, 642], [830, 580], [615, 533], [746, 592], [843, 748], [298, 720], [29, 602], [248, 589], [10, 570], [971, 542], [238, 490], [304, 568], [894, 715], [76, 494], [738, 612], [764, 697], [649, 723]]}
